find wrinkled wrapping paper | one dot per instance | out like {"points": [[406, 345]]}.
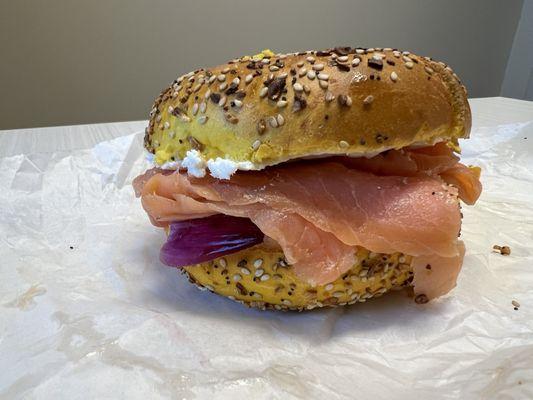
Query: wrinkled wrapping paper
{"points": [[88, 311]]}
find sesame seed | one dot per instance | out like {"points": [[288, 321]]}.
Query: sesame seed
{"points": [[283, 75], [263, 92], [342, 58], [265, 61], [203, 106], [212, 79], [225, 70], [409, 65], [298, 87], [282, 56], [396, 54], [236, 103], [265, 277], [236, 81], [329, 96], [281, 103], [323, 77], [286, 302], [318, 67], [248, 78], [191, 79], [421, 299], [311, 75], [202, 119], [329, 286], [307, 89], [170, 111], [356, 62], [222, 101], [197, 88], [310, 59], [302, 72], [405, 53], [344, 144], [256, 144], [194, 109], [359, 51], [300, 64], [237, 278], [223, 86], [221, 78], [258, 262], [273, 68], [338, 294], [166, 125], [370, 50], [368, 99], [245, 271], [232, 119], [259, 272], [429, 70], [393, 76], [377, 57], [231, 297], [273, 122], [344, 100], [280, 120], [406, 59], [261, 126], [323, 84], [207, 94]]}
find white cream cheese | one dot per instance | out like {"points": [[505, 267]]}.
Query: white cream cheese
{"points": [[150, 157], [194, 163], [172, 165], [223, 168]]}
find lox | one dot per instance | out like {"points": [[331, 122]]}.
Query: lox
{"points": [[320, 211]]}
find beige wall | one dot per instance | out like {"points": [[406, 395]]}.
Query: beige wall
{"points": [[74, 61]]}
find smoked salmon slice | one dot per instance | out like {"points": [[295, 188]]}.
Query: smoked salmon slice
{"points": [[318, 212]]}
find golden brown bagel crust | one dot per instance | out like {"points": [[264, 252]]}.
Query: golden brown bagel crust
{"points": [[260, 277], [286, 106]]}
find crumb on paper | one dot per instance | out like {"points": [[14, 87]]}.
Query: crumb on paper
{"points": [[503, 250], [515, 304]]}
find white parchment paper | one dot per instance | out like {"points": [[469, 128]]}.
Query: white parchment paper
{"points": [[87, 311]]}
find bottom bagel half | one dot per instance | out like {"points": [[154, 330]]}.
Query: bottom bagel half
{"points": [[260, 277]]}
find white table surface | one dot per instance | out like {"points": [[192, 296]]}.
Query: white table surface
{"points": [[490, 111]]}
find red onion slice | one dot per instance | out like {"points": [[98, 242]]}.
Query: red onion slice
{"points": [[198, 240]]}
